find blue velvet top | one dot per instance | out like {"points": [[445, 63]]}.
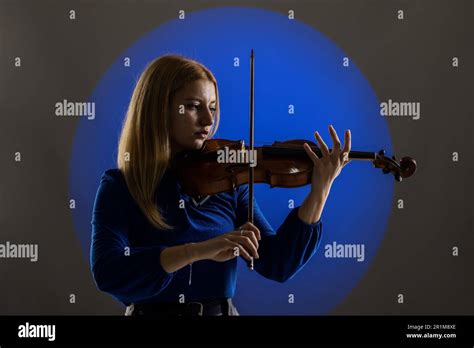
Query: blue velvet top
{"points": [[125, 247]]}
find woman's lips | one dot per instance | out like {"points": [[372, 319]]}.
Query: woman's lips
{"points": [[202, 135]]}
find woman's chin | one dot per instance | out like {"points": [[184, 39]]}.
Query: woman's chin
{"points": [[197, 144]]}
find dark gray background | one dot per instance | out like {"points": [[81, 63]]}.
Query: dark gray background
{"points": [[409, 61]]}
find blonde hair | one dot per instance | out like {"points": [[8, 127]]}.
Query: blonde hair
{"points": [[144, 145]]}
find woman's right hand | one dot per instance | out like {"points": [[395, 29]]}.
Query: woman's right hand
{"points": [[241, 242]]}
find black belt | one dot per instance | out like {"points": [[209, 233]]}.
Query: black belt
{"points": [[191, 308]]}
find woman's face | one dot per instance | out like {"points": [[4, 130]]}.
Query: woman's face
{"points": [[192, 115]]}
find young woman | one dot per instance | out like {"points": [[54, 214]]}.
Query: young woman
{"points": [[162, 252]]}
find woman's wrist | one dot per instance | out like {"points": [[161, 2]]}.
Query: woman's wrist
{"points": [[194, 251], [176, 257]]}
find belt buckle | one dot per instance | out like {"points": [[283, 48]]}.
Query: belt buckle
{"points": [[201, 307], [129, 310]]}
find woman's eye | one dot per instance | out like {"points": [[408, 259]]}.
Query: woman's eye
{"points": [[197, 106]]}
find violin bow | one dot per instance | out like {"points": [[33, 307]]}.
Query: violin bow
{"points": [[251, 145]]}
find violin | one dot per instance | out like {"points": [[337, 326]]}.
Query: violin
{"points": [[282, 164]]}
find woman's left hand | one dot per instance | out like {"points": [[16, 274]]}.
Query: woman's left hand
{"points": [[329, 166]]}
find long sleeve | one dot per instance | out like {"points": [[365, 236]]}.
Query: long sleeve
{"points": [[285, 252], [129, 274]]}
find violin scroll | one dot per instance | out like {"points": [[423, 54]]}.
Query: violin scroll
{"points": [[404, 169]]}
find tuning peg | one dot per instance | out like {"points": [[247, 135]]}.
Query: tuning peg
{"points": [[393, 157], [397, 177], [382, 152], [386, 170]]}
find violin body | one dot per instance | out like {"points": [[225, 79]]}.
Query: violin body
{"points": [[201, 174]]}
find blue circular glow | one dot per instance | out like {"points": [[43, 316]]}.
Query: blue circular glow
{"points": [[294, 65]]}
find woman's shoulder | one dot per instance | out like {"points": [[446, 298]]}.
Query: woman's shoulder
{"points": [[113, 189], [113, 174], [113, 202], [113, 180]]}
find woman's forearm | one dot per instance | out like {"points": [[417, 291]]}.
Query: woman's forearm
{"points": [[179, 256], [176, 257], [311, 209]]}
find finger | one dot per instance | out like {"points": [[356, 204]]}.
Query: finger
{"points": [[249, 244], [250, 226], [322, 144], [246, 242], [242, 251], [344, 159], [248, 233], [312, 155], [335, 140], [347, 141], [252, 236], [226, 245]]}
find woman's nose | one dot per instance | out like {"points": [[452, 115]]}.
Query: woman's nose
{"points": [[207, 117]]}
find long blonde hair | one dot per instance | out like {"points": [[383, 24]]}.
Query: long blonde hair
{"points": [[144, 145]]}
